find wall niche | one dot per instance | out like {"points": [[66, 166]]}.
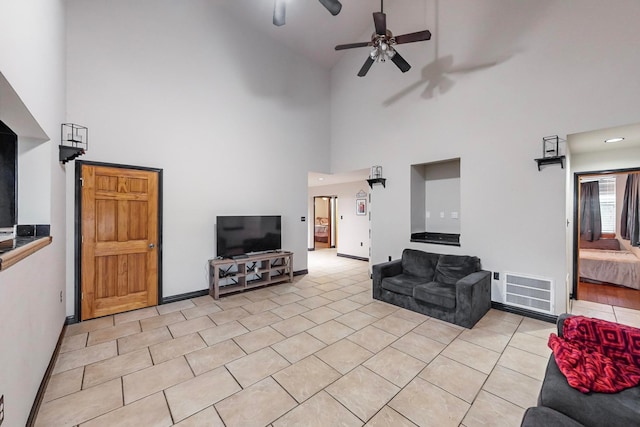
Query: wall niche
{"points": [[435, 202]]}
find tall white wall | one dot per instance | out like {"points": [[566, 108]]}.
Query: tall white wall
{"points": [[353, 230], [532, 69], [31, 314], [233, 119]]}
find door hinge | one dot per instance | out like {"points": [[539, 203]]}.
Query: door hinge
{"points": [[82, 296], [81, 239], [81, 182]]}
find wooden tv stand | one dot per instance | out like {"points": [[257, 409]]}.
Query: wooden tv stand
{"points": [[233, 275]]}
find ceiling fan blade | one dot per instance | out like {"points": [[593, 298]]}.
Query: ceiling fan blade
{"points": [[413, 37], [400, 62], [365, 68], [279, 9], [333, 6], [352, 45], [380, 21]]}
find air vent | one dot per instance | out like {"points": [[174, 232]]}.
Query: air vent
{"points": [[530, 292]]}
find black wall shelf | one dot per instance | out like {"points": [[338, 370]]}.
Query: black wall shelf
{"points": [[550, 161], [69, 153], [382, 181]]}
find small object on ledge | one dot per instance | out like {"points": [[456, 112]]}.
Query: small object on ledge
{"points": [[372, 181], [7, 236], [550, 160], [375, 177], [7, 244], [550, 147], [7, 233]]}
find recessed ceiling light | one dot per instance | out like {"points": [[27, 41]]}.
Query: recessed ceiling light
{"points": [[321, 179], [614, 140]]}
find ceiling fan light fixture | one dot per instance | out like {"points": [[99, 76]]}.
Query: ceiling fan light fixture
{"points": [[391, 52], [382, 52]]}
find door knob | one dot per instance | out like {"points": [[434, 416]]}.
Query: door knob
{"points": [[151, 246]]}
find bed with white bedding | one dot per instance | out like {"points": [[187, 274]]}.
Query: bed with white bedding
{"points": [[321, 231], [617, 267]]}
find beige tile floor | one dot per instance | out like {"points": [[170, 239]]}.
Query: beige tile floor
{"points": [[318, 352]]}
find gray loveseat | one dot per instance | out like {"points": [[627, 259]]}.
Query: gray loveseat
{"points": [[452, 288], [559, 404]]}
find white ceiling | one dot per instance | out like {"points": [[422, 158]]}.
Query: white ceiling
{"points": [[310, 29], [586, 142], [317, 179]]}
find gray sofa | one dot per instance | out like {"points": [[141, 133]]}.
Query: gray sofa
{"points": [[452, 288], [559, 404]]}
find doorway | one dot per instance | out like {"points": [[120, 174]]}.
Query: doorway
{"points": [[119, 238], [8, 178], [606, 266], [325, 225]]}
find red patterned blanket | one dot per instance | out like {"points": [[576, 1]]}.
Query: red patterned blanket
{"points": [[597, 355]]}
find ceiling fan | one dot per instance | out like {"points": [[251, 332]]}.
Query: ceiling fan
{"points": [[384, 42], [279, 9]]}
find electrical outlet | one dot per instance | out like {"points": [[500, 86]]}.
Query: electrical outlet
{"points": [[496, 275], [360, 243], [60, 296], [389, 257], [1, 409]]}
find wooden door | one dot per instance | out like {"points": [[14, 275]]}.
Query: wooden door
{"points": [[119, 240]]}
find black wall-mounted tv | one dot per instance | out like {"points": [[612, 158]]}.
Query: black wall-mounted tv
{"points": [[241, 235]]}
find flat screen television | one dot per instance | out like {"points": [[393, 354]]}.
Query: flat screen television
{"points": [[240, 235]]}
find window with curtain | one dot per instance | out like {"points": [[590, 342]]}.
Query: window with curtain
{"points": [[630, 217], [590, 218], [607, 187]]}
